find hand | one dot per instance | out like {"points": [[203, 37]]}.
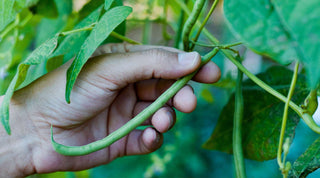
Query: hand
{"points": [[111, 89]]}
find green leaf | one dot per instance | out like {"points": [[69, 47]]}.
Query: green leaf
{"points": [[302, 21], [281, 29], [262, 117], [89, 8], [10, 8], [7, 13], [72, 43], [260, 28], [107, 4], [108, 22], [308, 162], [6, 56], [42, 9], [35, 58]]}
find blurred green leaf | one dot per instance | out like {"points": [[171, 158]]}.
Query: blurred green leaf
{"points": [[107, 4], [302, 21], [10, 8], [35, 58], [308, 162], [6, 57], [7, 13], [89, 8], [262, 117], [108, 22], [279, 29], [42, 9], [206, 95], [260, 28]]}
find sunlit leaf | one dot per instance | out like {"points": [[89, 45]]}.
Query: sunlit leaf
{"points": [[108, 22], [279, 29], [36, 57], [262, 117]]}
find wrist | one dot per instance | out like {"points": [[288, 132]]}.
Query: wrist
{"points": [[16, 150]]}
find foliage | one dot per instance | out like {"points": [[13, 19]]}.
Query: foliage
{"points": [[36, 37]]}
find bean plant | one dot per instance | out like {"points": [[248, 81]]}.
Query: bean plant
{"points": [[260, 118]]}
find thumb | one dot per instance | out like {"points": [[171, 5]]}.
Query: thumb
{"points": [[120, 69]]}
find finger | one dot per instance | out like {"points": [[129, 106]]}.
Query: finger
{"points": [[143, 142], [209, 73], [125, 47], [149, 90], [162, 120], [185, 100], [117, 70]]}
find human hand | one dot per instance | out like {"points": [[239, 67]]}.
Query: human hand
{"points": [[111, 89]]}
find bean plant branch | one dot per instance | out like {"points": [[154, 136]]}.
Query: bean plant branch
{"points": [[284, 121], [237, 127], [133, 123], [214, 5], [307, 118]]}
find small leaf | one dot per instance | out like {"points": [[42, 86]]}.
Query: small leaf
{"points": [[206, 95], [72, 43], [262, 117], [36, 57], [108, 22], [308, 162], [107, 4]]}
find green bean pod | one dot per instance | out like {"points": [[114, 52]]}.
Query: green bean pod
{"points": [[133, 123], [192, 19]]}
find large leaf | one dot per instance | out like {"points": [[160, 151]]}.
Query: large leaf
{"points": [[108, 22], [302, 21], [308, 162], [35, 58], [281, 29], [262, 117]]}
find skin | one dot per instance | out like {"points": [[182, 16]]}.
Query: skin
{"points": [[114, 86]]}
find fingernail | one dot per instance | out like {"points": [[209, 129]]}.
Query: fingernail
{"points": [[187, 59]]}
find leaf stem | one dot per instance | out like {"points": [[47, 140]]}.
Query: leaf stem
{"points": [[90, 27], [133, 123], [124, 38], [214, 5], [237, 127], [284, 120], [307, 118]]}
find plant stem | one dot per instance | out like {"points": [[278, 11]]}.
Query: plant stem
{"points": [[237, 125], [124, 38], [10, 27], [214, 5], [133, 123], [285, 117], [219, 46], [179, 31], [307, 118], [192, 19]]}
